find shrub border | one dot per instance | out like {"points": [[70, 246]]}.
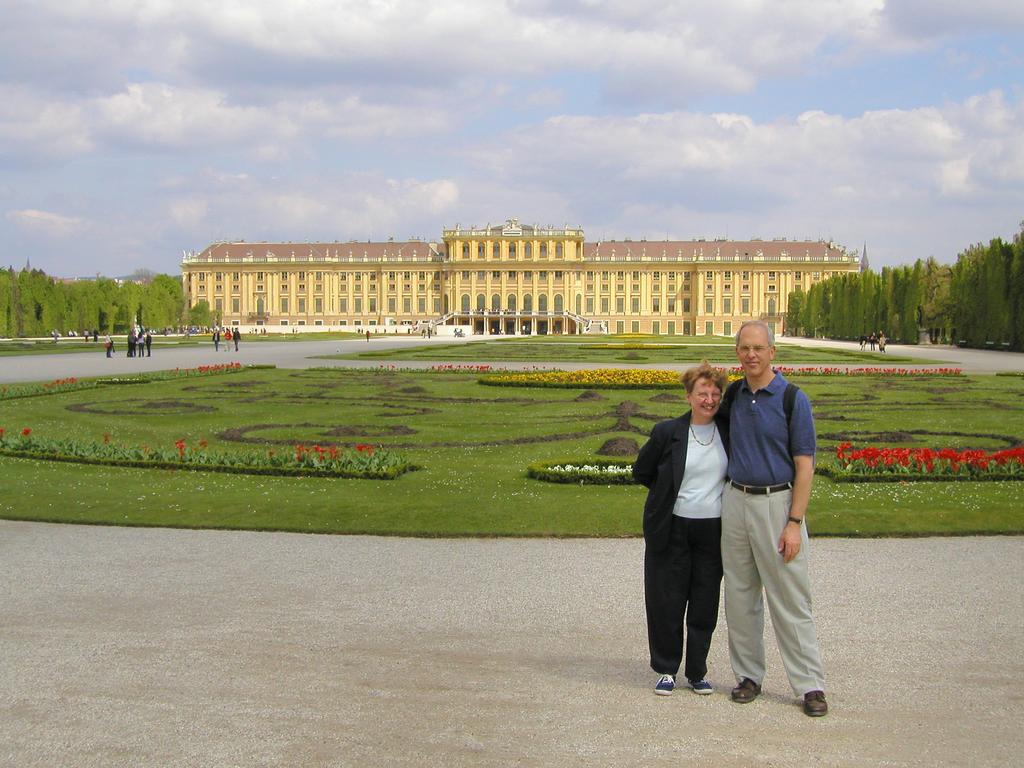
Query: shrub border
{"points": [[541, 470], [221, 468], [839, 476]]}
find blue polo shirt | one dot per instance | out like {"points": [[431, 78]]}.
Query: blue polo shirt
{"points": [[759, 452]]}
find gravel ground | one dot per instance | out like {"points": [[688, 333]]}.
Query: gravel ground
{"points": [[138, 647]]}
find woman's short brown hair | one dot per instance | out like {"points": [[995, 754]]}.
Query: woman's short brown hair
{"points": [[704, 371]]}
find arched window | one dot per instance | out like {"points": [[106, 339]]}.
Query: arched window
{"points": [[558, 302], [511, 302], [579, 304], [465, 302], [511, 250], [481, 301], [542, 303], [771, 306], [528, 303], [495, 302]]}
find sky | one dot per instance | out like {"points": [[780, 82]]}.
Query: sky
{"points": [[134, 130]]}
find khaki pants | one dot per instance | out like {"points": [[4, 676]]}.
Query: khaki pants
{"points": [[751, 527]]}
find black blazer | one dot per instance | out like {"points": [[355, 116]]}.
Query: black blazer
{"points": [[659, 466]]}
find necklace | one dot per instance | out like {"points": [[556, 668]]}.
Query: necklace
{"points": [[699, 441]]}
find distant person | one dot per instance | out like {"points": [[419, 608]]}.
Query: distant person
{"points": [[236, 337], [108, 344], [684, 466], [227, 338], [881, 341], [872, 340], [149, 344], [863, 341], [367, 336], [131, 343], [216, 340]]}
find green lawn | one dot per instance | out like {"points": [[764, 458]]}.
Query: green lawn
{"points": [[605, 349], [475, 443]]}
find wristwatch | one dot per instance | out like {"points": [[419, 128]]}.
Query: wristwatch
{"points": [[796, 520]]}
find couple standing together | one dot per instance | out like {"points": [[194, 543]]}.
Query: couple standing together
{"points": [[729, 484]]}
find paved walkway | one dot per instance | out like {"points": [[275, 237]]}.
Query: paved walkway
{"points": [[303, 354], [135, 647]]}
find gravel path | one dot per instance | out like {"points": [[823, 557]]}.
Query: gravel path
{"points": [[302, 354], [136, 647]]}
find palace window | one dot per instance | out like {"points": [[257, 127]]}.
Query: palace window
{"points": [[620, 305], [528, 303], [543, 275], [318, 306], [284, 275], [727, 306], [604, 305], [407, 305], [771, 275], [709, 306], [421, 305], [542, 303], [481, 276], [511, 250], [527, 275], [465, 250], [284, 305], [655, 304], [302, 306], [558, 250], [543, 250], [671, 305], [558, 275], [527, 250], [465, 302], [496, 275], [496, 250], [391, 306], [709, 275], [798, 275], [686, 305], [744, 306], [481, 301]]}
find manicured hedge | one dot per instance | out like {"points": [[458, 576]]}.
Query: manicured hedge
{"points": [[545, 470]]}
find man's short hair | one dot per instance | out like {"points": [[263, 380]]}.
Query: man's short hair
{"points": [[760, 324]]}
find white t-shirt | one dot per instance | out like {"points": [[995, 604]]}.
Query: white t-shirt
{"points": [[700, 495]]}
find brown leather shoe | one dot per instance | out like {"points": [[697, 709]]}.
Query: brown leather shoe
{"points": [[815, 704], [746, 691]]}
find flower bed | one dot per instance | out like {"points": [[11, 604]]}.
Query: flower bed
{"points": [[595, 378], [584, 472], [12, 391], [630, 346], [362, 461], [872, 464], [822, 370]]}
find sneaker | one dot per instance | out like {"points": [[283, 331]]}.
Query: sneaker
{"points": [[665, 685], [703, 687], [815, 704], [746, 691]]}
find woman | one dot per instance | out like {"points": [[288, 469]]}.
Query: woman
{"points": [[683, 465]]}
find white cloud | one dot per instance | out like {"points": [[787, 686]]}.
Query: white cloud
{"points": [[817, 175], [47, 222]]}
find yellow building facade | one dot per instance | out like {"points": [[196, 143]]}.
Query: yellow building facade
{"points": [[509, 279]]}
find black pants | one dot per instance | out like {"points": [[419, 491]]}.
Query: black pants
{"points": [[684, 579]]}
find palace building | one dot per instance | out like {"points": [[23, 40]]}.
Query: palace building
{"points": [[510, 279]]}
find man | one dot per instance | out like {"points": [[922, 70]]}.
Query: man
{"points": [[764, 536], [238, 335]]}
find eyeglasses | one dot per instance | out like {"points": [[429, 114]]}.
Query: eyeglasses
{"points": [[704, 397], [757, 349]]}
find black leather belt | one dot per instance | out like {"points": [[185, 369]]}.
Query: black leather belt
{"points": [[760, 490]]}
